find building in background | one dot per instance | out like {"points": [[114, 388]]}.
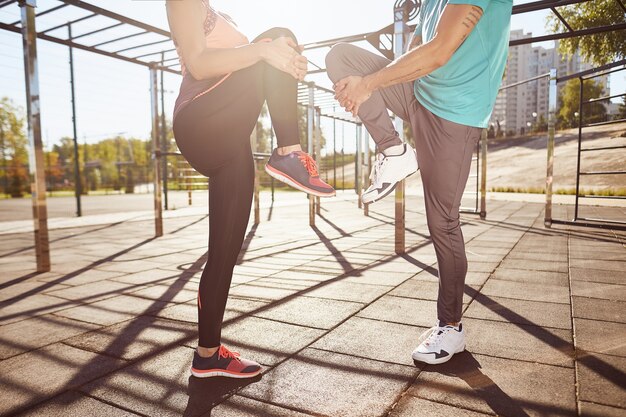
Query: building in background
{"points": [[522, 108]]}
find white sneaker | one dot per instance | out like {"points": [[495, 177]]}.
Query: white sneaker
{"points": [[439, 343], [388, 170]]}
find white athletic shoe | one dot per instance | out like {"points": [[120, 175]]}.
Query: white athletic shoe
{"points": [[439, 343], [388, 170]]}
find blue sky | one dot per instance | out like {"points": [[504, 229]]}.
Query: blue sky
{"points": [[113, 96]]}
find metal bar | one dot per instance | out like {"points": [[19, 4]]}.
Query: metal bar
{"points": [[164, 144], [84, 47], [118, 17], [154, 107], [121, 38], [400, 18], [80, 19], [36, 164], [558, 15], [604, 148], [582, 32], [608, 197], [53, 9], [580, 140], [154, 53], [483, 176], [547, 74], [543, 4], [552, 96], [608, 122], [309, 132], [621, 5], [612, 67], [603, 173], [82, 35], [5, 3], [141, 46], [317, 152], [594, 100], [78, 183], [477, 159], [367, 168], [257, 182], [602, 224]]}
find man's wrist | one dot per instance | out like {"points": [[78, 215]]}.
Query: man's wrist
{"points": [[370, 82]]}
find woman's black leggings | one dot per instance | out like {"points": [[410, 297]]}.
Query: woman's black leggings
{"points": [[213, 134]]}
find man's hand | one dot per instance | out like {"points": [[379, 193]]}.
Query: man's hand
{"points": [[351, 92]]}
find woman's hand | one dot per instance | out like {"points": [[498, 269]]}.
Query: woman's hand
{"points": [[282, 53]]}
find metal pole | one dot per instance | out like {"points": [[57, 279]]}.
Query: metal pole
{"points": [[400, 17], [310, 122], [154, 101], [78, 186], [367, 165], [318, 151], [343, 156], [4, 160], [580, 141], [358, 162], [35, 154], [271, 149], [257, 205], [164, 144], [550, 169], [483, 174], [334, 151]]}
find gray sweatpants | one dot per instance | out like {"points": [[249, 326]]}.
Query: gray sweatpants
{"points": [[444, 153]]}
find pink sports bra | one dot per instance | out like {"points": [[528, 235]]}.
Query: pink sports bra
{"points": [[220, 32]]}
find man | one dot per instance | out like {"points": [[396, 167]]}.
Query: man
{"points": [[445, 86]]}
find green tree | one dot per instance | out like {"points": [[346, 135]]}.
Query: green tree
{"points": [[600, 48], [569, 103], [14, 151]]}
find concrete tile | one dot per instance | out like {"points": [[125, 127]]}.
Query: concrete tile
{"points": [[31, 306], [126, 267], [537, 256], [262, 292], [174, 291], [265, 341], [422, 290], [36, 332], [312, 312], [598, 275], [238, 406], [601, 264], [150, 276], [521, 312], [599, 290], [601, 379], [373, 339], [348, 291], [600, 337], [357, 387], [75, 404], [526, 291], [134, 338], [597, 309], [531, 264], [598, 410], [402, 310], [533, 277], [522, 342], [86, 277], [378, 277], [94, 291], [484, 384], [410, 406], [112, 310], [166, 388], [24, 383]]}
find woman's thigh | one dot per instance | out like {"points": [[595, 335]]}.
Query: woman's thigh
{"points": [[216, 125]]}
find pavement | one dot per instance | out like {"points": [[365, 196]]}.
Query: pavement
{"points": [[330, 312]]}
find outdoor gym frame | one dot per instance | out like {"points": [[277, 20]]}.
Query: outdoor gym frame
{"points": [[389, 41]]}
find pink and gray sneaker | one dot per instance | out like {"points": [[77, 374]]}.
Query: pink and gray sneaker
{"points": [[298, 170], [224, 363]]}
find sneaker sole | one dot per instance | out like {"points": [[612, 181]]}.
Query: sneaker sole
{"points": [[386, 193], [439, 361], [227, 374], [293, 183]]}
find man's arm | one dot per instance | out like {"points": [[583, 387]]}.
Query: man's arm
{"points": [[455, 25]]}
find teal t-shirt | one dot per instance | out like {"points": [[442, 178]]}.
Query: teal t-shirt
{"points": [[464, 90]]}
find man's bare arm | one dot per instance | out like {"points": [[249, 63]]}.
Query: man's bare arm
{"points": [[455, 25]]}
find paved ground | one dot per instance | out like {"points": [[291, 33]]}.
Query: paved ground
{"points": [[329, 311]]}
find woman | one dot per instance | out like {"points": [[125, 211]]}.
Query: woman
{"points": [[226, 81]]}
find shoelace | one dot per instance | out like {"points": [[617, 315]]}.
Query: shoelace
{"points": [[223, 352], [308, 163], [436, 333], [378, 168]]}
